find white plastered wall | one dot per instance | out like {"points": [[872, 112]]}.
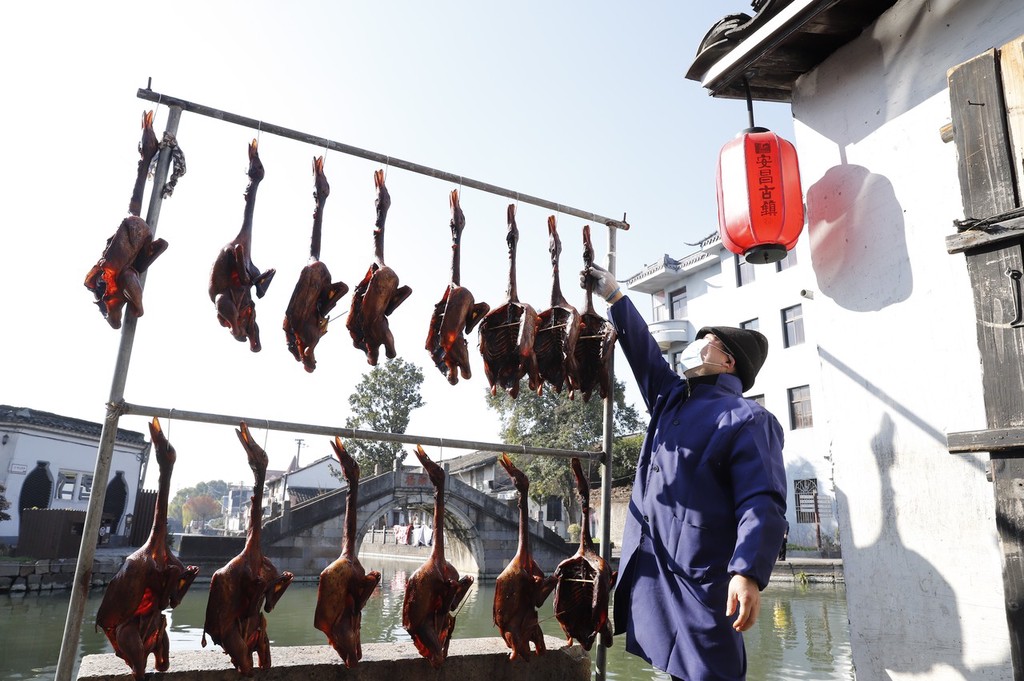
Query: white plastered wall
{"points": [[895, 328]]}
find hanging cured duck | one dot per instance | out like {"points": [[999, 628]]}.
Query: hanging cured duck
{"points": [[314, 296], [115, 278], [585, 582], [435, 590], [596, 344], [508, 332], [378, 294], [521, 587], [344, 584], [247, 583], [151, 580], [455, 313], [233, 272], [559, 328]]}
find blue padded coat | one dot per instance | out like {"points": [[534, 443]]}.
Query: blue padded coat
{"points": [[709, 501]]}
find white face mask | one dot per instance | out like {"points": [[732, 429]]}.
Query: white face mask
{"points": [[693, 356]]}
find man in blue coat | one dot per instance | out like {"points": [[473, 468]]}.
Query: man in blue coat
{"points": [[708, 510]]}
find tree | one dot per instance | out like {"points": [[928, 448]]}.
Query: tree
{"points": [[553, 420], [217, 489], [201, 508], [382, 402], [4, 504]]}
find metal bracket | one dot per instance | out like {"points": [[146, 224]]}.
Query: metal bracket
{"points": [[1015, 277]]}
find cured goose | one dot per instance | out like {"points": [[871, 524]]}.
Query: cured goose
{"points": [[521, 587], [596, 345], [247, 583], [314, 296], [559, 328], [508, 332], [584, 582], [435, 590], [233, 273], [344, 584], [151, 580], [378, 294], [455, 313], [114, 279]]}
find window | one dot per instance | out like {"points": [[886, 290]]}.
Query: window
{"points": [[787, 262], [659, 310], [85, 490], [66, 481], [751, 325], [793, 326], [805, 494], [554, 509], [800, 408], [758, 398], [744, 271], [677, 300]]}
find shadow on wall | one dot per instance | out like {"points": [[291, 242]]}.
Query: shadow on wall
{"points": [[914, 626], [858, 245]]}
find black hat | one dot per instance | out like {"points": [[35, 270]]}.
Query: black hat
{"points": [[748, 347]]}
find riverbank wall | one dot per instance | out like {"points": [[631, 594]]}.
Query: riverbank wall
{"points": [[56, 574], [472, 658]]}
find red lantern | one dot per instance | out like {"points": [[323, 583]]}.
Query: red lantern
{"points": [[760, 204]]}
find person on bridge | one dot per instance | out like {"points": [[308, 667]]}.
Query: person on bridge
{"points": [[707, 513]]}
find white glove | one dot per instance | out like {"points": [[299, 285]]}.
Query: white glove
{"points": [[603, 281]]}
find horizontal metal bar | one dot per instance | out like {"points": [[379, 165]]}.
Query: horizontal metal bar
{"points": [[391, 161], [351, 433]]}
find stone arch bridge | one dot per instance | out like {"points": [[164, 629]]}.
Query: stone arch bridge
{"points": [[481, 533]]}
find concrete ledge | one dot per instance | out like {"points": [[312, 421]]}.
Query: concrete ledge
{"points": [[470, 658]]}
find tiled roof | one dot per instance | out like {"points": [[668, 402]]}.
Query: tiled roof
{"points": [[23, 416]]}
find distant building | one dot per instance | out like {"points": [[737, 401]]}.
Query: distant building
{"points": [[482, 471], [48, 460], [301, 483], [712, 287]]}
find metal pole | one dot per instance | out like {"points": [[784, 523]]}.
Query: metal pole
{"points": [[105, 450], [316, 140], [606, 469], [351, 433]]}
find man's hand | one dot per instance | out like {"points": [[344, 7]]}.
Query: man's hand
{"points": [[743, 592], [604, 283]]}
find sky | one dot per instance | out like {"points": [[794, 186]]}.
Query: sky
{"points": [[583, 104]]}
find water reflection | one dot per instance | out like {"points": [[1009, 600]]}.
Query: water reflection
{"points": [[802, 632]]}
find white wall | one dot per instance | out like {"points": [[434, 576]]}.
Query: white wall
{"points": [[62, 451], [895, 328]]}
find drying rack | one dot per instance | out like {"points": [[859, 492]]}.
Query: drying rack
{"points": [[117, 406]]}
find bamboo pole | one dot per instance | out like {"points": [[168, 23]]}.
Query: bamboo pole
{"points": [[105, 449], [391, 161], [351, 433]]}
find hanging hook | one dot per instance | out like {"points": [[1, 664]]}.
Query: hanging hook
{"points": [[387, 166], [170, 420], [750, 102], [259, 132], [266, 434]]}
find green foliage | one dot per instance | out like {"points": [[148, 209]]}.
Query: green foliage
{"points": [[574, 532], [553, 420], [4, 504], [382, 402], [625, 454]]}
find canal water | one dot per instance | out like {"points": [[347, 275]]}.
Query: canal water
{"points": [[802, 633]]}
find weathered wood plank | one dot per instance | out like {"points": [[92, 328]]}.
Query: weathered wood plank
{"points": [[1011, 66], [981, 136], [994, 234], [1001, 343], [1008, 480], [996, 440]]}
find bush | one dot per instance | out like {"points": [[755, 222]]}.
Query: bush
{"points": [[574, 532]]}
